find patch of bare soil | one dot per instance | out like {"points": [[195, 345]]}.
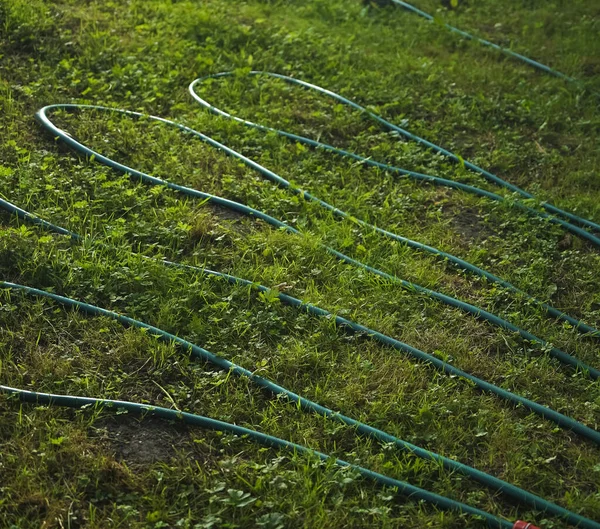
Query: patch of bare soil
{"points": [[470, 226], [140, 443]]}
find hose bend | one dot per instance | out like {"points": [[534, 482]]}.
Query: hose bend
{"points": [[478, 312], [460, 263], [412, 174]]}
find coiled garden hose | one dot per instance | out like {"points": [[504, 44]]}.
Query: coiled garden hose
{"points": [[352, 326], [478, 312], [461, 263], [410, 174], [402, 487], [485, 42], [410, 491], [308, 405]]}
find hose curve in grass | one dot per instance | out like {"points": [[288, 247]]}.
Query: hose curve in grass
{"points": [[412, 174], [461, 263], [198, 352], [208, 423], [478, 312]]}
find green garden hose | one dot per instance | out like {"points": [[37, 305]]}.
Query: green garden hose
{"points": [[484, 42], [493, 482], [352, 326], [410, 491], [478, 312], [403, 488], [410, 174], [306, 404], [465, 265]]}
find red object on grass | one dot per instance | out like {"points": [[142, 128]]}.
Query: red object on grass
{"points": [[520, 524]]}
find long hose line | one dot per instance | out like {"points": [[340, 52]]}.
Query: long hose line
{"points": [[410, 174], [350, 326], [485, 42], [517, 493], [246, 210], [407, 490], [461, 263]]}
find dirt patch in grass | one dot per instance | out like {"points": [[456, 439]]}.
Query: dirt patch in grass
{"points": [[469, 225], [141, 443]]}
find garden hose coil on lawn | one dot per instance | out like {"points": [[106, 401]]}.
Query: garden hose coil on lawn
{"points": [[306, 404], [246, 210], [406, 489], [516, 493]]}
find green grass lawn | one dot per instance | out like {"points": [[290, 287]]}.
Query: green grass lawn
{"points": [[64, 468]]}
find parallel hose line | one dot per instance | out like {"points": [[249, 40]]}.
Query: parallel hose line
{"points": [[465, 265], [410, 491], [350, 326], [246, 210], [485, 42], [198, 352], [410, 174]]}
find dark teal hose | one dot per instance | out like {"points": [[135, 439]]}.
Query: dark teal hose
{"points": [[410, 491], [411, 174], [506, 51], [449, 369], [306, 404], [465, 265], [402, 487], [34, 219], [246, 210]]}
